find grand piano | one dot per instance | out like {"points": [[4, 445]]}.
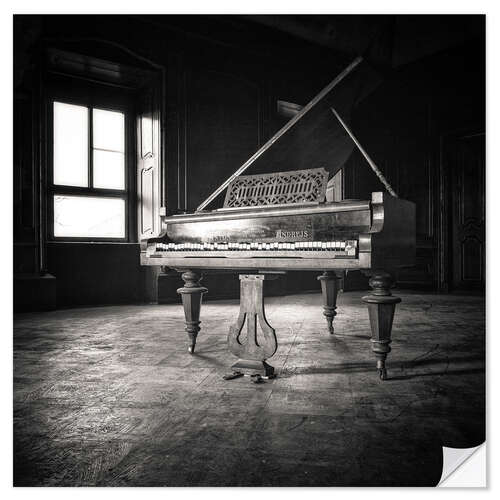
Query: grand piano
{"points": [[271, 223]]}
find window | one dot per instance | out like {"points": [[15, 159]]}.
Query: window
{"points": [[89, 175]]}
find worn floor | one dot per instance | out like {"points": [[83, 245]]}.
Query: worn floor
{"points": [[110, 397]]}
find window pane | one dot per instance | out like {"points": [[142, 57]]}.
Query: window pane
{"points": [[86, 216], [109, 130], [109, 169], [70, 145]]}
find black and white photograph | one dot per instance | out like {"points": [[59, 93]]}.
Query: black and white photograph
{"points": [[248, 249]]}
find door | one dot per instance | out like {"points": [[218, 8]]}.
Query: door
{"points": [[467, 171]]}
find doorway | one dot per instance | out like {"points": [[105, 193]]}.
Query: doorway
{"points": [[466, 168]]}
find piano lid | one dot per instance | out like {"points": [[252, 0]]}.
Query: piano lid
{"points": [[313, 138]]}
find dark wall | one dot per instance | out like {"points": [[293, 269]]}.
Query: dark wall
{"points": [[98, 273]]}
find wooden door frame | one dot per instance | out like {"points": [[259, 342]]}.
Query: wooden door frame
{"points": [[445, 240]]}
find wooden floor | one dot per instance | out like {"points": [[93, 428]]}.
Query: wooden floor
{"points": [[110, 397]]}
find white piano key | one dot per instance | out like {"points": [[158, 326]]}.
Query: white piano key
{"points": [[323, 245]]}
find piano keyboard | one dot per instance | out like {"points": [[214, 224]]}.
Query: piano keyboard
{"points": [[347, 248]]}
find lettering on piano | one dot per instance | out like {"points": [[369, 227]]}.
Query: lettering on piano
{"points": [[292, 235]]}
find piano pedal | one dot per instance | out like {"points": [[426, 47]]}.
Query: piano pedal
{"points": [[232, 376], [257, 378]]}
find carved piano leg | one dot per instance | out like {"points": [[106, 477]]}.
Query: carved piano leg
{"points": [[381, 307], [329, 289], [255, 347], [192, 293]]}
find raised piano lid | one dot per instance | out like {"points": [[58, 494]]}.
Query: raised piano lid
{"points": [[313, 138]]}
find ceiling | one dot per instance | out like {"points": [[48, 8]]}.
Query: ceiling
{"points": [[388, 40]]}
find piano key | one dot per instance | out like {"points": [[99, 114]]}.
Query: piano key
{"points": [[323, 245], [342, 245]]}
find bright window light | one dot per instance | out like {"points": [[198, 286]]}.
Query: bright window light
{"points": [[109, 169], [89, 217], [70, 145], [109, 130]]}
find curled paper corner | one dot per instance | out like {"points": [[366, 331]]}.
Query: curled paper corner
{"points": [[464, 467]]}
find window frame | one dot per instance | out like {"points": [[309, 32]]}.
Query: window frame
{"points": [[91, 102]]}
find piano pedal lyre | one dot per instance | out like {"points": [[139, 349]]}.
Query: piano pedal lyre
{"points": [[259, 343]]}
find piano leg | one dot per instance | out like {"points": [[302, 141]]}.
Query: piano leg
{"points": [[330, 284], [192, 293], [255, 347], [381, 307]]}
